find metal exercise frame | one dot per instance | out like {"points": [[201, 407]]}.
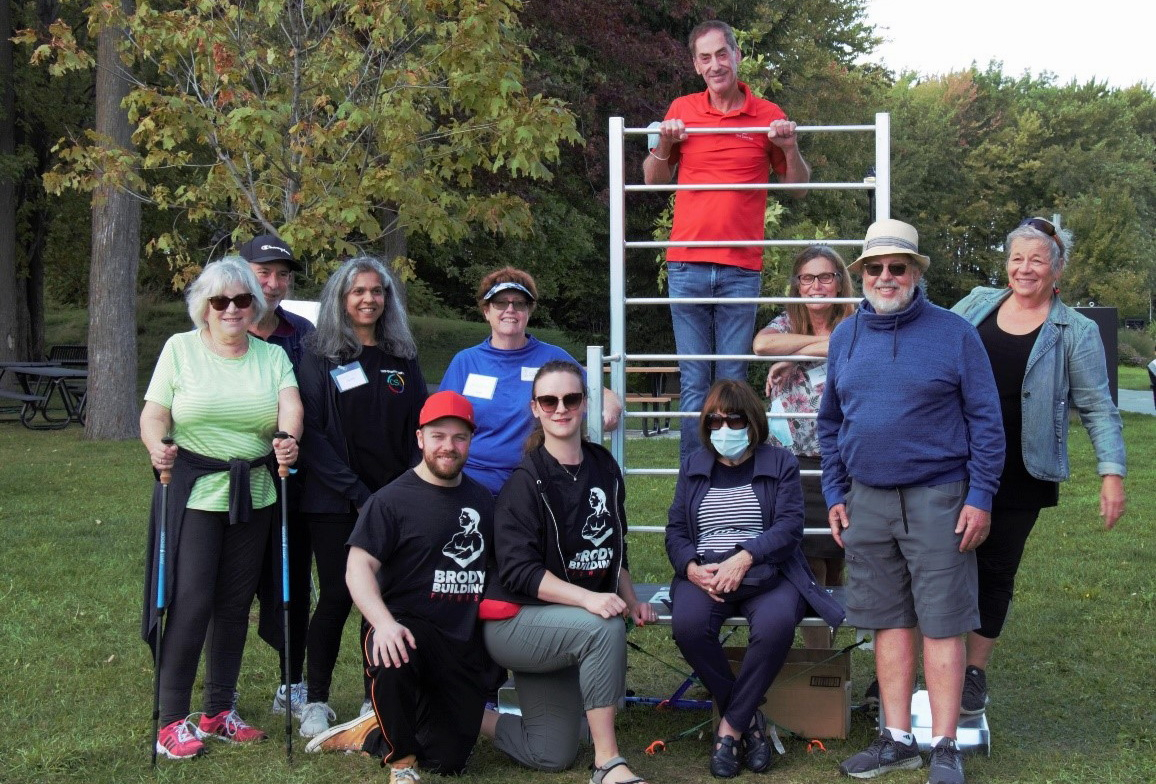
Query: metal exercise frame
{"points": [[619, 356]]}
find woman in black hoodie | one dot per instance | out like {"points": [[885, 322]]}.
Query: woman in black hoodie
{"points": [[554, 614]]}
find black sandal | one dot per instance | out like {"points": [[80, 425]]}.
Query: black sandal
{"points": [[724, 758], [600, 772], [756, 745]]}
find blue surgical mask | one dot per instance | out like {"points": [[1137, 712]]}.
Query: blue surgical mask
{"points": [[730, 443]]}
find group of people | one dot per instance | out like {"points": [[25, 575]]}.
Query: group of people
{"points": [[477, 531]]}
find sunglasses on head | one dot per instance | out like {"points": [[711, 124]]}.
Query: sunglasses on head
{"points": [[221, 302], [736, 420], [875, 268], [1046, 226], [549, 403]]}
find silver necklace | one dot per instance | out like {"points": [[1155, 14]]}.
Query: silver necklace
{"points": [[575, 473]]}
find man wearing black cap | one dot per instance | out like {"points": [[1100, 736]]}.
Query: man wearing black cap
{"points": [[417, 571], [272, 262]]}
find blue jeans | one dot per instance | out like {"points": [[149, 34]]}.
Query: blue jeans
{"points": [[709, 329]]}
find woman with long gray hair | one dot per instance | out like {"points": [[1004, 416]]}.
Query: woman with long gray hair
{"points": [[363, 389]]}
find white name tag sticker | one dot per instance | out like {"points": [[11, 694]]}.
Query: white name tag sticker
{"points": [[529, 373], [348, 377], [480, 386], [817, 376]]}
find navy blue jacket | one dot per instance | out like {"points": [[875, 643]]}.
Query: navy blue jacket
{"points": [[780, 493]]}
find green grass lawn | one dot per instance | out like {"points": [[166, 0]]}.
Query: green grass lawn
{"points": [[1071, 683], [1134, 378]]}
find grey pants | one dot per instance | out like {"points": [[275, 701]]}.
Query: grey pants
{"points": [[565, 661]]}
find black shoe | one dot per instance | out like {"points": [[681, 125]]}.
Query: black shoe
{"points": [[946, 763], [974, 700], [882, 756], [756, 746], [724, 759]]}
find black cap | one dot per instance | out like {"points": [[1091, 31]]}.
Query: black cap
{"points": [[268, 247]]}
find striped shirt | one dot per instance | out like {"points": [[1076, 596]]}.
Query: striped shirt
{"points": [[727, 517]]}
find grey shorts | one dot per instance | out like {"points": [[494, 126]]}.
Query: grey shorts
{"points": [[904, 567]]}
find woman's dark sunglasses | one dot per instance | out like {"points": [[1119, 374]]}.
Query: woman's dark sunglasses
{"points": [[221, 302], [549, 403], [735, 420]]}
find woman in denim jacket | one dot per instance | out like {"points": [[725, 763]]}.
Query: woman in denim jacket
{"points": [[1046, 358]]}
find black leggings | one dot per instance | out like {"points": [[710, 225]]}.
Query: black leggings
{"points": [[216, 568], [998, 560], [333, 605]]}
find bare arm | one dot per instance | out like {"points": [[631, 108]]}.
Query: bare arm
{"points": [[155, 423], [798, 171], [391, 641], [639, 612], [611, 409], [557, 591], [656, 169], [769, 343]]}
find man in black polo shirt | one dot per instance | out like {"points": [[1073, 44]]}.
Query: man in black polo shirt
{"points": [[416, 570]]}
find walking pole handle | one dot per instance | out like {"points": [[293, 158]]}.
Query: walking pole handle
{"points": [[167, 474], [282, 470]]}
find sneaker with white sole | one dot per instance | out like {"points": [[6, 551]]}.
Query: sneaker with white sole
{"points": [[974, 698], [404, 771], [348, 737], [229, 727], [178, 741], [315, 718], [299, 696], [883, 756]]}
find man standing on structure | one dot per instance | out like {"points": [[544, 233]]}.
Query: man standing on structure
{"points": [[704, 215], [912, 447]]}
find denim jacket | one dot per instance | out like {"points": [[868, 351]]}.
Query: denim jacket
{"points": [[1065, 369]]}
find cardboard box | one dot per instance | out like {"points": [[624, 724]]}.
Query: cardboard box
{"points": [[811, 695]]}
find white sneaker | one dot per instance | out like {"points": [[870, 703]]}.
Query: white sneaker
{"points": [[300, 695], [366, 708], [315, 718]]}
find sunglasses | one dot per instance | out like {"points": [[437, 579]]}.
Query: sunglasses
{"points": [[221, 302], [736, 420], [1046, 226], [875, 268], [549, 403], [826, 278], [519, 305]]}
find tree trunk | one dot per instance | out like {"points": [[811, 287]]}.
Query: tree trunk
{"points": [[13, 309], [112, 354]]}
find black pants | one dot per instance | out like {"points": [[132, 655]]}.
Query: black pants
{"points": [[216, 567], [998, 560], [333, 606], [270, 595], [431, 706]]}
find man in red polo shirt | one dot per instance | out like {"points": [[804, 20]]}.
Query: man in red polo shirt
{"points": [[718, 215]]}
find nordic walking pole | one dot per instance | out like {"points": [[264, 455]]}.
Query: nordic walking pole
{"points": [[283, 472], [166, 477]]}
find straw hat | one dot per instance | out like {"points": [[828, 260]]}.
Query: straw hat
{"points": [[888, 238]]}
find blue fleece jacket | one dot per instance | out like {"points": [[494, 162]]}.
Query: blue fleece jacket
{"points": [[910, 401]]}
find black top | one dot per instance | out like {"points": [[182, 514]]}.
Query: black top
{"points": [[432, 543], [569, 521], [1009, 362]]}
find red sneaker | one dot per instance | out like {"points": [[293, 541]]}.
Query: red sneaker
{"points": [[228, 726], [177, 741]]}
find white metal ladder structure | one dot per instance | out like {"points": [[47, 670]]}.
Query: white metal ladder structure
{"points": [[619, 356]]}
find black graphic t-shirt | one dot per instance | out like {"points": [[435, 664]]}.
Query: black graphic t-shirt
{"points": [[583, 499], [432, 543]]}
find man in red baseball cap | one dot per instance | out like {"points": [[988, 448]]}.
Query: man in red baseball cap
{"points": [[417, 571]]}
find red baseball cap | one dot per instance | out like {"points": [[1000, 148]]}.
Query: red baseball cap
{"points": [[446, 404]]}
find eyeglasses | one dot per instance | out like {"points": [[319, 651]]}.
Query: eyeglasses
{"points": [[221, 302], [826, 278], [1046, 226], [549, 403], [875, 268], [519, 305], [736, 420]]}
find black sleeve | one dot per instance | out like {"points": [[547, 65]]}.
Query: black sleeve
{"points": [[325, 459], [519, 536]]}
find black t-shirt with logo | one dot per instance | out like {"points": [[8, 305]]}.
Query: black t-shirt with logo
{"points": [[431, 541]]}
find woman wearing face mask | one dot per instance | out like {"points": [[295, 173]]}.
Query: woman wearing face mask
{"points": [[733, 537]]}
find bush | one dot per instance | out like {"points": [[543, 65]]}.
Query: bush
{"points": [[1134, 347]]}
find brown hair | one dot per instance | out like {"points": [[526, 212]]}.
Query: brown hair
{"points": [[730, 395], [797, 312], [537, 436], [507, 275]]}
